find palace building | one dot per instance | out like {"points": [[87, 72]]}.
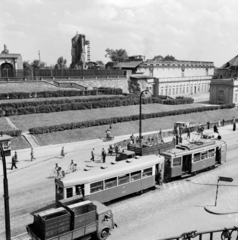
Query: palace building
{"points": [[174, 78]]}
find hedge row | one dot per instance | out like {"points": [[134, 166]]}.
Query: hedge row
{"points": [[20, 109], [107, 121], [65, 93], [13, 133]]}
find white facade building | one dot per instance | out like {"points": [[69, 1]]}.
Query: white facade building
{"points": [[178, 77]]}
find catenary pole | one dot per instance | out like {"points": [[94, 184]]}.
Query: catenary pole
{"points": [[140, 123]]}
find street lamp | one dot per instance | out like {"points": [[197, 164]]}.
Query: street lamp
{"points": [[140, 124], [6, 196]]}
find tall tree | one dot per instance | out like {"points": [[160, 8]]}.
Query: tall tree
{"points": [[118, 55], [37, 64], [169, 58], [61, 63], [158, 58]]}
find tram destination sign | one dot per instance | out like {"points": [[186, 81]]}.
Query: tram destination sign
{"points": [[225, 179]]}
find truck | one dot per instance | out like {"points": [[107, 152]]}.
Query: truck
{"points": [[75, 218]]}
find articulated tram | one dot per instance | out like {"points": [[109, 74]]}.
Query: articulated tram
{"points": [[114, 180]]}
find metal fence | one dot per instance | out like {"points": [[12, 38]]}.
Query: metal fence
{"points": [[58, 73], [223, 234]]}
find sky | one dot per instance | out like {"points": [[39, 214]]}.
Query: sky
{"points": [[196, 30]]}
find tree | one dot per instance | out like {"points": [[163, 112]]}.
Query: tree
{"points": [[158, 58], [37, 64], [27, 66], [101, 64], [169, 58], [61, 63], [118, 55]]}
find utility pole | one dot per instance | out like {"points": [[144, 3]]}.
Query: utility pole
{"points": [[140, 124], [6, 196]]}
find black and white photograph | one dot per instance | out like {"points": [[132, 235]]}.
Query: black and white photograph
{"points": [[118, 120]]}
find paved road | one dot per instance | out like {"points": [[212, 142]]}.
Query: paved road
{"points": [[176, 207]]}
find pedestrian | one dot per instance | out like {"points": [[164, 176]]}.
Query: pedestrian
{"points": [[13, 162], [223, 123], [177, 139], [116, 149], [215, 128], [32, 155], [188, 132], [219, 123], [208, 125], [234, 119], [104, 154], [16, 157], [62, 152], [92, 155], [234, 126]]}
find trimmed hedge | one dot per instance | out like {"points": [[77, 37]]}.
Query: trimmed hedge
{"points": [[65, 93], [107, 121], [13, 133], [23, 108]]}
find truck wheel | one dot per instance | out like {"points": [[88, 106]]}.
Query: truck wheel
{"points": [[104, 234]]}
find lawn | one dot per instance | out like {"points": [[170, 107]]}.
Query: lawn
{"points": [[24, 122], [29, 87], [4, 125], [133, 126]]}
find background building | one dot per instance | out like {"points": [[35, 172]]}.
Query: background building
{"points": [[228, 70], [224, 91], [9, 63], [178, 77]]}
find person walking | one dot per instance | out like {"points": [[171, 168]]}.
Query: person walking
{"points": [[62, 152], [215, 128], [223, 123], [92, 154], [188, 132], [104, 154], [32, 155], [234, 126], [208, 125], [14, 161]]}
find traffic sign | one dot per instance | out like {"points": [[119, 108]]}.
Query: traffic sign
{"points": [[225, 179]]}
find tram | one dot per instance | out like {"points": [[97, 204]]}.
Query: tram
{"points": [[187, 159], [120, 178], [111, 181]]}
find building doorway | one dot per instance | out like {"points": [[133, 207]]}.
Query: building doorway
{"points": [[195, 89], [7, 70]]}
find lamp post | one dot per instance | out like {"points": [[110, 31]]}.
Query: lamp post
{"points": [[140, 123], [6, 196]]}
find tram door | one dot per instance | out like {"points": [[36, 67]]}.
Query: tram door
{"points": [[221, 153], [187, 163]]}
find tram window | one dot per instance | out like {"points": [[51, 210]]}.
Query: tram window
{"points": [[135, 175], [211, 153], [204, 155], [147, 172], [69, 192], [95, 187], [109, 183], [177, 161], [123, 179], [196, 157]]}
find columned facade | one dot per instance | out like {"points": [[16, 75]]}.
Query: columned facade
{"points": [[176, 78]]}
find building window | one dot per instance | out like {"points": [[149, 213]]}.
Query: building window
{"points": [[180, 89], [173, 91], [191, 88], [206, 71], [169, 91], [187, 89], [177, 90], [162, 91]]}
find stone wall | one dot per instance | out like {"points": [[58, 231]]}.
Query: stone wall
{"points": [[102, 82]]}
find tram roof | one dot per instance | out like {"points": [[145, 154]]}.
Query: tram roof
{"points": [[104, 171], [181, 148]]}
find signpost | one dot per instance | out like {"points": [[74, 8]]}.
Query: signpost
{"points": [[224, 179]]}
